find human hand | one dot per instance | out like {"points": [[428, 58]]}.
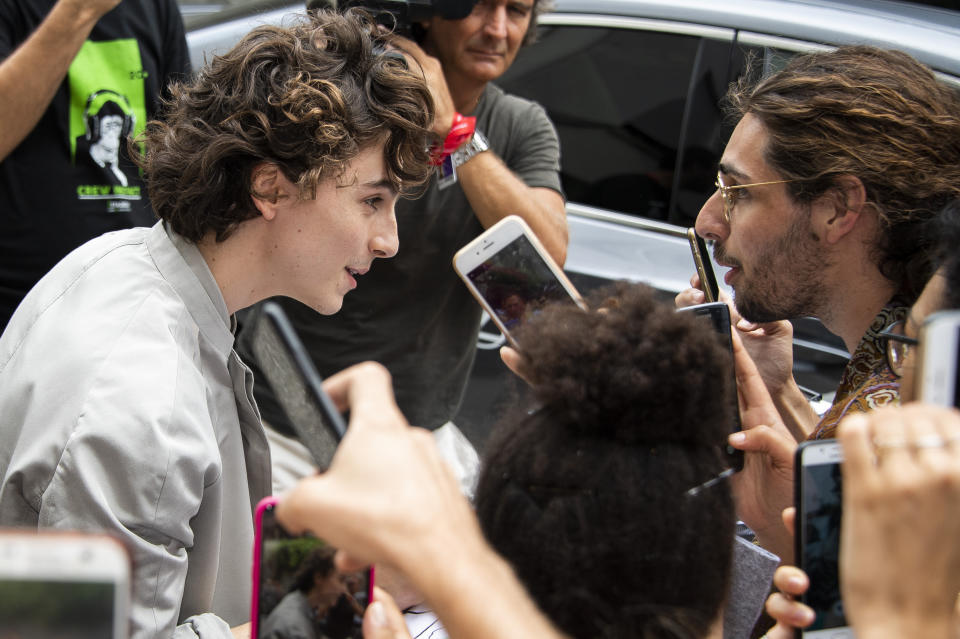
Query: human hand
{"points": [[899, 560], [764, 488], [784, 608], [383, 619], [388, 497], [769, 344], [444, 108]]}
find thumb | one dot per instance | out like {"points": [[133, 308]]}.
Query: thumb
{"points": [[763, 439], [382, 619]]}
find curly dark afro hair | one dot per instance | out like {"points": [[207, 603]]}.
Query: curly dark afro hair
{"points": [[587, 494]]}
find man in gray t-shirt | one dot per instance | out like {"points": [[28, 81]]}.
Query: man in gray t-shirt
{"points": [[412, 313]]}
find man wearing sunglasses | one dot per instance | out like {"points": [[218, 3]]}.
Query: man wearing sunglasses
{"points": [[823, 190]]}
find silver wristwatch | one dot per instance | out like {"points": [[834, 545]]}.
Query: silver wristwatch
{"points": [[476, 144]]}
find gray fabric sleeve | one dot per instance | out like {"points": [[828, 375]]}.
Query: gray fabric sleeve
{"points": [[750, 581]]}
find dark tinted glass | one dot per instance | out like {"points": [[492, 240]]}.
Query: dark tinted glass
{"points": [[620, 99]]}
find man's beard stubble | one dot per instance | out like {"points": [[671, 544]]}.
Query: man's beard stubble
{"points": [[785, 278]]}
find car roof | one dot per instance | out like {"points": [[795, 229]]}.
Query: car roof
{"points": [[931, 34]]}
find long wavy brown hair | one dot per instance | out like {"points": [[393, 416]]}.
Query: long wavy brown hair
{"points": [[877, 114], [307, 97]]}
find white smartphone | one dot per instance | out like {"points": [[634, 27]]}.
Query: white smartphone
{"points": [[936, 365], [509, 272], [819, 500], [63, 584]]}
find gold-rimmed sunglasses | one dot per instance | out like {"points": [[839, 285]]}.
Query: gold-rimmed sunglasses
{"points": [[729, 193]]}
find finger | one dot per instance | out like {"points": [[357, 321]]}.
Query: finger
{"points": [[928, 438], [689, 297], [859, 457], [791, 580], [890, 440], [749, 382], [382, 619], [789, 612], [789, 517], [371, 399], [514, 361]]}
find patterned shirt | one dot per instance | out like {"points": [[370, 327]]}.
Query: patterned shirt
{"points": [[867, 382]]}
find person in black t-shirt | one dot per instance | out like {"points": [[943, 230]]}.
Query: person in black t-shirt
{"points": [[78, 78]]}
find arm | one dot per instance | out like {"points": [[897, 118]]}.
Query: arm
{"points": [[899, 561], [493, 190], [30, 76], [389, 498]]}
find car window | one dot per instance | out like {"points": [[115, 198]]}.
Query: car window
{"points": [[630, 106]]}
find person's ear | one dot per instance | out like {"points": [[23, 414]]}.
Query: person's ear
{"points": [[268, 187], [837, 212]]}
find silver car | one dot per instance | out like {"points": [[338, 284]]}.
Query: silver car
{"points": [[634, 88]]}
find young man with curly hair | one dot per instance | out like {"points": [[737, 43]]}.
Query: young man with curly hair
{"points": [[126, 410], [413, 313]]}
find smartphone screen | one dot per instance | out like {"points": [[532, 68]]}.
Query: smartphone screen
{"points": [[284, 361], [701, 260], [298, 590], [819, 512], [717, 314], [939, 356], [517, 283], [63, 585]]}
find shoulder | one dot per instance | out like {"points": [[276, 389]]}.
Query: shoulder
{"points": [[502, 103]]}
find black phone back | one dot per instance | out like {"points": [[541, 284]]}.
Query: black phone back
{"points": [[718, 314], [283, 360]]}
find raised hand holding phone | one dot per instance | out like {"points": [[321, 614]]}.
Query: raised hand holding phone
{"points": [[511, 275]]}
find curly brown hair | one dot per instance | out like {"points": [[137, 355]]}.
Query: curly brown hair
{"points": [[588, 496], [307, 97], [876, 114]]}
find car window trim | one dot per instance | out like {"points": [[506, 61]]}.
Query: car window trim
{"points": [[636, 24]]}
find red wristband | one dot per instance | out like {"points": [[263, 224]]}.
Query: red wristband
{"points": [[461, 131]]}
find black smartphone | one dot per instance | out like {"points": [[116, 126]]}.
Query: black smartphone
{"points": [[718, 315], [819, 499], [283, 360], [297, 589], [701, 259]]}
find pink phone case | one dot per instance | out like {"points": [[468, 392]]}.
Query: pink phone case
{"points": [[264, 504]]}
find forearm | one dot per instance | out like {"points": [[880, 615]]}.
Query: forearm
{"points": [[795, 410], [495, 192], [933, 627], [477, 596], [30, 76]]}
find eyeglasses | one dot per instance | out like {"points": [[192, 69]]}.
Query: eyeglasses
{"points": [[729, 193], [897, 346]]}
